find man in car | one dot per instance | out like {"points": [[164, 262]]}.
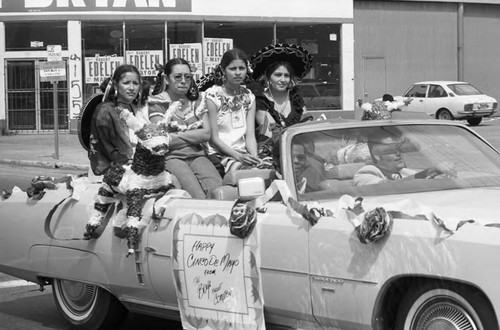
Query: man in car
{"points": [[386, 150], [309, 173]]}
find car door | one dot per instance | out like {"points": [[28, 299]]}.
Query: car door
{"points": [[437, 98], [418, 95]]}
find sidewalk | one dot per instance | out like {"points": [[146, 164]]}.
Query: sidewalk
{"points": [[39, 150]]}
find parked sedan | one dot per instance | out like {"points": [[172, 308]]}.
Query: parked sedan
{"points": [[413, 253], [451, 100]]}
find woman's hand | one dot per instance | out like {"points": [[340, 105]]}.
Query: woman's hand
{"points": [[248, 159]]}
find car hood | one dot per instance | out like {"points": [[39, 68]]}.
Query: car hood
{"points": [[478, 204]]}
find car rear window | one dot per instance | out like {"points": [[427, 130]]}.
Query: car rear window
{"points": [[464, 89]]}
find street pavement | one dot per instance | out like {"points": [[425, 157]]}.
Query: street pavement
{"points": [[41, 150]]}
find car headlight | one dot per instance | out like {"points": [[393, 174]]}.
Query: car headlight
{"points": [[495, 105], [468, 107]]}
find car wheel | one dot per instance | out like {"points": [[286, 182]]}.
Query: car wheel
{"points": [[444, 114], [87, 306], [475, 121], [434, 306]]}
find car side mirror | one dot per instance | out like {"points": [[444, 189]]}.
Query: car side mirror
{"points": [[452, 95]]}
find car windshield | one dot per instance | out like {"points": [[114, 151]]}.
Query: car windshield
{"points": [[335, 156], [464, 89]]}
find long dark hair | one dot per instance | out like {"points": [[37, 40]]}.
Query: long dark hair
{"points": [[229, 56], [107, 84], [192, 93]]}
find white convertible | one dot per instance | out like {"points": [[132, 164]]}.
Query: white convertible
{"points": [[429, 263]]}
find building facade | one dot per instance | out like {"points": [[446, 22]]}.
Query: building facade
{"points": [[361, 49], [398, 43], [92, 37]]}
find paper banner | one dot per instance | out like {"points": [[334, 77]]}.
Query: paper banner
{"points": [[217, 275]]}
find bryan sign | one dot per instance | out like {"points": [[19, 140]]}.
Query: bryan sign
{"points": [[217, 275], [94, 5]]}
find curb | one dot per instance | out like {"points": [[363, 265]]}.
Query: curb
{"points": [[45, 164]]}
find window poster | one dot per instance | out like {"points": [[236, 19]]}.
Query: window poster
{"points": [[145, 61], [217, 275], [98, 68], [191, 53], [213, 49]]}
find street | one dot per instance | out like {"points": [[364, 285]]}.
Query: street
{"points": [[23, 306]]}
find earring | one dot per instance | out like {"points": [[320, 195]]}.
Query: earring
{"points": [[116, 94]]}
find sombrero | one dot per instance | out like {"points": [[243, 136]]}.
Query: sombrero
{"points": [[298, 57], [85, 118]]}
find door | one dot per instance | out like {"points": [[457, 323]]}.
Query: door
{"points": [[374, 78], [30, 102]]}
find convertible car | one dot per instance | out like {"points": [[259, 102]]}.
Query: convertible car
{"points": [[425, 261]]}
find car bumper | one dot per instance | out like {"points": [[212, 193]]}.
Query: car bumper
{"points": [[475, 113]]}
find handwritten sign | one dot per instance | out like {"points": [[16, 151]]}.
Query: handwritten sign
{"points": [[98, 68], [145, 60], [217, 275], [213, 49], [192, 53]]}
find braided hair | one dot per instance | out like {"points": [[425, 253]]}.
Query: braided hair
{"points": [[165, 70]]}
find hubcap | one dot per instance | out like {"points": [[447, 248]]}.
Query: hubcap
{"points": [[443, 315], [78, 298]]}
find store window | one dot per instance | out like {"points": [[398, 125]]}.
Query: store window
{"points": [[321, 87], [248, 36], [102, 39], [35, 35], [145, 46]]}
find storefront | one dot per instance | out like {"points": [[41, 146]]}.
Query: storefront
{"points": [[97, 35]]}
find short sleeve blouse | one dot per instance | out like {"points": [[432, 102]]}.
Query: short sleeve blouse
{"points": [[231, 116]]}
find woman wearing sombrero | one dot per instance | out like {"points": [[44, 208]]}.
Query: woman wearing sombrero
{"points": [[278, 68]]}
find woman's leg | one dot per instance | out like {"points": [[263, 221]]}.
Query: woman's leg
{"points": [[186, 177], [207, 174]]}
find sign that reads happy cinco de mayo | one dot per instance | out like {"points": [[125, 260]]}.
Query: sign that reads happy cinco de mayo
{"points": [[217, 275]]}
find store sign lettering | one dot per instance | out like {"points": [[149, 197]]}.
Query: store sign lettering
{"points": [[56, 5], [145, 60], [99, 68]]}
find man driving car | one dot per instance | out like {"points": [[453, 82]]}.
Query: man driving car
{"points": [[386, 149]]}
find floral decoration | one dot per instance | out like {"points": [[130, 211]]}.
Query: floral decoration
{"points": [[382, 109]]}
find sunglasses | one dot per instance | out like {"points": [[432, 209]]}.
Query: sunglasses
{"points": [[187, 77], [300, 157]]}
